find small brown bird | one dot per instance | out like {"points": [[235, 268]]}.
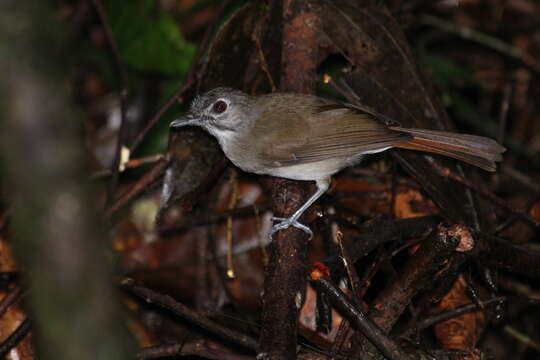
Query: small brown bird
{"points": [[305, 137]]}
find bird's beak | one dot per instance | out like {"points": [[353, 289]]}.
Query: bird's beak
{"points": [[185, 121]]}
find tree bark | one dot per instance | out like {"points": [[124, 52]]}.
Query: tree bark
{"points": [[59, 242]]}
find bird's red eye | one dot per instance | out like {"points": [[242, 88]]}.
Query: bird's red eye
{"points": [[220, 106]]}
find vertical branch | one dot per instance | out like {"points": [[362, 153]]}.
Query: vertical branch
{"points": [[119, 63], [285, 275], [58, 240], [300, 52]]}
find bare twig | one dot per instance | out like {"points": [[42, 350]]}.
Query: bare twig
{"points": [[195, 348], [131, 164], [262, 58], [377, 336], [349, 267], [521, 178], [167, 302], [503, 254], [483, 39], [521, 337], [139, 187], [233, 183], [154, 120], [15, 337], [8, 300], [417, 274], [119, 63], [435, 319], [446, 172], [376, 232], [212, 218], [512, 219]]}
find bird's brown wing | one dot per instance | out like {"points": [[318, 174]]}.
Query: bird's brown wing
{"points": [[316, 129]]}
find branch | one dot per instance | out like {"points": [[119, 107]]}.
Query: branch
{"points": [[377, 336], [122, 132], [285, 274], [167, 302], [15, 337]]}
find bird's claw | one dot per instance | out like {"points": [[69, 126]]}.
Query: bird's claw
{"points": [[284, 223]]}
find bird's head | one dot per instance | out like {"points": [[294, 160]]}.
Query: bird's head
{"points": [[222, 112]]}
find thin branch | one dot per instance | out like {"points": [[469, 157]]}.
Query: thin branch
{"points": [[446, 172], [15, 337], [119, 63], [154, 120], [262, 59], [443, 316], [417, 274], [506, 255], [131, 164], [11, 298], [167, 302], [483, 39], [521, 178], [512, 219], [521, 337], [385, 344], [195, 348], [212, 218], [148, 178]]}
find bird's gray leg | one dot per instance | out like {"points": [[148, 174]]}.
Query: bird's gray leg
{"points": [[284, 223]]}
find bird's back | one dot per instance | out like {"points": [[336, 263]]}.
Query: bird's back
{"points": [[307, 138]]}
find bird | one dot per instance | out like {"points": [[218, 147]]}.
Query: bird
{"points": [[310, 138]]}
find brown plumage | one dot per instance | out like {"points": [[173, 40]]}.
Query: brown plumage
{"points": [[475, 150], [318, 130], [306, 137]]}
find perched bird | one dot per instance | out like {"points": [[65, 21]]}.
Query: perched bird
{"points": [[305, 137]]}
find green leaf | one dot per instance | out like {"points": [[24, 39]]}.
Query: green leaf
{"points": [[148, 38]]}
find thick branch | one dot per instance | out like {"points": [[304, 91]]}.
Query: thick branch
{"points": [[59, 242], [285, 276]]}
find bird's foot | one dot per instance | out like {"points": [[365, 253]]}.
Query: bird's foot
{"points": [[284, 223]]}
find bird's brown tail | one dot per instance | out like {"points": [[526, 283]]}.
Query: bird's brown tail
{"points": [[476, 150]]}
